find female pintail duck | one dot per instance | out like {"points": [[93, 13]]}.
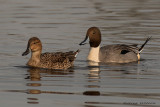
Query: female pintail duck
{"points": [[57, 60], [119, 53]]}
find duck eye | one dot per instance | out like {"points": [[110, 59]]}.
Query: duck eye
{"points": [[94, 32]]}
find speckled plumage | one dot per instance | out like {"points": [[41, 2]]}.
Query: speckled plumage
{"points": [[57, 60]]}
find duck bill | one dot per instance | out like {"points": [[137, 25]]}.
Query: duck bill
{"points": [[83, 42], [27, 51]]}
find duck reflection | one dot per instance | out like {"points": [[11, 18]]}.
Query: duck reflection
{"points": [[32, 101], [92, 93], [35, 75], [126, 69], [113, 69], [94, 79], [94, 70]]}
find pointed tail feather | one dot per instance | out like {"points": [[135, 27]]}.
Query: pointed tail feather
{"points": [[72, 55], [76, 53], [141, 48]]}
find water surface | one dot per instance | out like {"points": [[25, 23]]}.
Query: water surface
{"points": [[61, 25]]}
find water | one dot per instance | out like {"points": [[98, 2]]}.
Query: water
{"points": [[61, 25]]}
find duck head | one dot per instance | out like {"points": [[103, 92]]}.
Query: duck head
{"points": [[34, 44], [94, 35]]}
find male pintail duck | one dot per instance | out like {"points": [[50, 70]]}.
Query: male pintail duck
{"points": [[57, 60], [119, 53]]}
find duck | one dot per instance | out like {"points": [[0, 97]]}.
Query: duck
{"points": [[54, 60], [116, 53]]}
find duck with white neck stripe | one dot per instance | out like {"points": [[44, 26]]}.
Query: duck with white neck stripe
{"points": [[118, 53]]}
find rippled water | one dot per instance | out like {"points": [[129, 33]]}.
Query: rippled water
{"points": [[61, 25]]}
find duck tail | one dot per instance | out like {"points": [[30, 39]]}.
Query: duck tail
{"points": [[76, 53], [141, 48], [72, 55]]}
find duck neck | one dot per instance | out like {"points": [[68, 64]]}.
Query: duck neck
{"points": [[35, 58], [94, 54]]}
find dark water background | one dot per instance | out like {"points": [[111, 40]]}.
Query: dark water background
{"points": [[61, 25]]}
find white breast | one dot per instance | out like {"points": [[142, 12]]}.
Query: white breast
{"points": [[94, 54]]}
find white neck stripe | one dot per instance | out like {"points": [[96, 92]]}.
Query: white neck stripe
{"points": [[94, 54]]}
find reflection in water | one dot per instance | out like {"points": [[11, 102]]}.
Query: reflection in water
{"points": [[94, 77], [32, 101], [94, 74], [94, 69], [92, 93], [59, 22], [126, 68], [35, 74], [33, 84], [33, 91]]}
